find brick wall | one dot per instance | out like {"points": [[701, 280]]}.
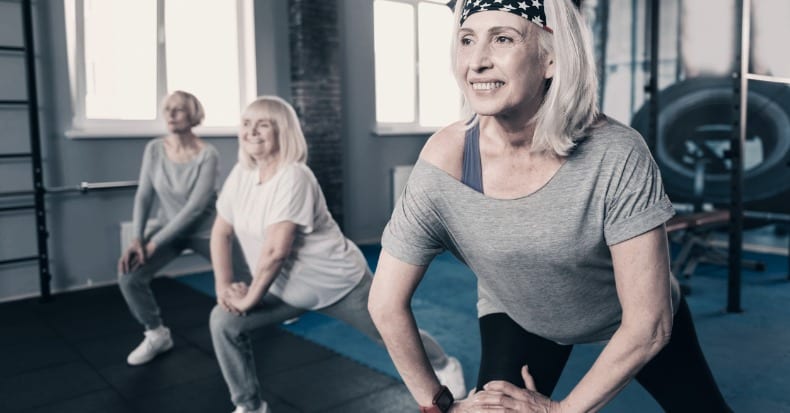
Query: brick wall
{"points": [[315, 88]]}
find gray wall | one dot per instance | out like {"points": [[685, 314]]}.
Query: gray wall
{"points": [[84, 241], [368, 158]]}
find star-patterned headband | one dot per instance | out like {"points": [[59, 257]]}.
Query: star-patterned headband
{"points": [[531, 10]]}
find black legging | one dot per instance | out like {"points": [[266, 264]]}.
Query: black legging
{"points": [[678, 377]]}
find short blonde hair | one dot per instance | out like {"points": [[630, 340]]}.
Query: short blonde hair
{"points": [[290, 139], [195, 111], [570, 103]]}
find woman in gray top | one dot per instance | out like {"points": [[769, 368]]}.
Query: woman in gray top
{"points": [[179, 171], [559, 211]]}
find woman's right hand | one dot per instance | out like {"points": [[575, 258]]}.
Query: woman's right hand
{"points": [[132, 258], [463, 405], [225, 295]]}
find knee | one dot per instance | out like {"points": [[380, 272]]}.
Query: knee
{"points": [[129, 280], [221, 322]]}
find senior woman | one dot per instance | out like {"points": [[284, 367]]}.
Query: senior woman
{"points": [[179, 172], [300, 259], [559, 211]]}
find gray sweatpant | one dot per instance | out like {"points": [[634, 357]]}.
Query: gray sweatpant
{"points": [[136, 285], [233, 346]]}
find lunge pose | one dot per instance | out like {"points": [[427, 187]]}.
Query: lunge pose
{"points": [[300, 260], [559, 211]]}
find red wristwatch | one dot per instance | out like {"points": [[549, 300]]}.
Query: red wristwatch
{"points": [[442, 402]]}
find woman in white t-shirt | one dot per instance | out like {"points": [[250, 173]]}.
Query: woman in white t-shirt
{"points": [[299, 258]]}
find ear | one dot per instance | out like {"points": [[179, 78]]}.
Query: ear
{"points": [[550, 67]]}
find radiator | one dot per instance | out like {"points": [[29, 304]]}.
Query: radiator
{"points": [[400, 175]]}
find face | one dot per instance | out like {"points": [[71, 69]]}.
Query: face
{"points": [[176, 115], [498, 64], [257, 135]]}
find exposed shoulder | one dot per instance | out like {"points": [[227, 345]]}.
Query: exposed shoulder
{"points": [[445, 148]]}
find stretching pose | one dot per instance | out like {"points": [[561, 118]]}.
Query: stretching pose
{"points": [[179, 172], [299, 258], [559, 212]]}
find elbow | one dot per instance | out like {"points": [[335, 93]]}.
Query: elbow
{"points": [[384, 311], [273, 258], [657, 337]]}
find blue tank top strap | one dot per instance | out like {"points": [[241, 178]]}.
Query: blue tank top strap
{"points": [[472, 172]]}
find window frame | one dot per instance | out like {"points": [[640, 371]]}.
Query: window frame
{"points": [[407, 128], [82, 127]]}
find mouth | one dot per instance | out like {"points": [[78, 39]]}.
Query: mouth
{"points": [[487, 85]]}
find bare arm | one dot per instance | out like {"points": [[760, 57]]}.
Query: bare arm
{"points": [[641, 269], [277, 246], [389, 304]]}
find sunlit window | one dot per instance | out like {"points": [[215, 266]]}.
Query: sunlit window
{"points": [[415, 88], [125, 55]]}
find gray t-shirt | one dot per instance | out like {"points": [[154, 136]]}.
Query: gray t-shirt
{"points": [[543, 259], [186, 193]]}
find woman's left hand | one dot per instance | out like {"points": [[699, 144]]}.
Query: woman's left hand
{"points": [[501, 396]]}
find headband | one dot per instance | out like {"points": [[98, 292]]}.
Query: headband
{"points": [[531, 10]]}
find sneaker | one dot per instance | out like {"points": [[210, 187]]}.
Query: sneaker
{"points": [[156, 342], [263, 409], [452, 376]]}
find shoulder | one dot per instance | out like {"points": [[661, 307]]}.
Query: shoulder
{"points": [[154, 146], [445, 148], [209, 152], [297, 173], [610, 138]]}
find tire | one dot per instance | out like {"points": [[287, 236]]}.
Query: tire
{"points": [[696, 115]]}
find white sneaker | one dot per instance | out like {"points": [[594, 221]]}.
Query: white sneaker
{"points": [[452, 376], [263, 409], [156, 342]]}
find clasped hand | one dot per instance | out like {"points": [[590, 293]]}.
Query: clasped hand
{"points": [[134, 256], [232, 299], [500, 396]]}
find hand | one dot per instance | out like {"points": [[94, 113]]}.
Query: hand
{"points": [[501, 396], [239, 289], [225, 295], [132, 258], [150, 247], [464, 405], [234, 298]]}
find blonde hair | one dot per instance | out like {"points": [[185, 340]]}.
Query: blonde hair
{"points": [[570, 103], [290, 139], [195, 111]]}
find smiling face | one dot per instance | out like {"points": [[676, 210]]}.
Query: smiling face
{"points": [[499, 66], [258, 135]]}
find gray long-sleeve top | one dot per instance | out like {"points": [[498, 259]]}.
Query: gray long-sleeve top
{"points": [[186, 194]]}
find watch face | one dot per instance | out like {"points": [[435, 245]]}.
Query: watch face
{"points": [[444, 400]]}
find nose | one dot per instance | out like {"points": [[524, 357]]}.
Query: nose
{"points": [[480, 58]]}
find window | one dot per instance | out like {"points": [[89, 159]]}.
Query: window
{"points": [[126, 55], [415, 87]]}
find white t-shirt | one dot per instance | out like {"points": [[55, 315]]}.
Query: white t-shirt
{"points": [[323, 265]]}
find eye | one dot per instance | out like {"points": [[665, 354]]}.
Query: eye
{"points": [[466, 41], [503, 39]]}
